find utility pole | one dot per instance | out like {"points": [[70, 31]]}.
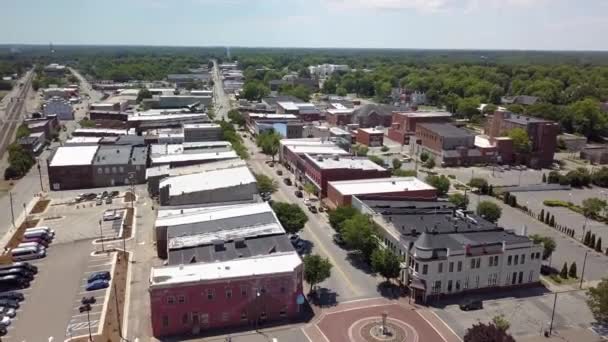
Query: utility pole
{"points": [[10, 195], [553, 314], [40, 175], [101, 236], [583, 270]]}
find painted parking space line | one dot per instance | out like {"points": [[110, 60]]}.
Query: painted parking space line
{"points": [[81, 326], [92, 305], [76, 318], [92, 293]]}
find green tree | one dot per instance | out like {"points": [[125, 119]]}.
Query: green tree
{"points": [[269, 142], [255, 90], [404, 173], [22, 131], [482, 332], [564, 272], [592, 241], [478, 182], [548, 244], [598, 245], [597, 299], [424, 156], [441, 183], [358, 233], [489, 108], [384, 149], [430, 163], [143, 94], [316, 269], [588, 119], [521, 140], [489, 210], [291, 216], [459, 200], [265, 183], [544, 178], [339, 215], [396, 164], [301, 92], [359, 150], [572, 271], [468, 107], [377, 160], [587, 239], [501, 322], [593, 206], [86, 123], [309, 189], [236, 117], [386, 263]]}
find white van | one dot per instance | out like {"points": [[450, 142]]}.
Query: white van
{"points": [[28, 253], [30, 244], [41, 228]]}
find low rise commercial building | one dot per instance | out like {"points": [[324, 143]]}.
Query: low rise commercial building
{"points": [[303, 111], [202, 132], [373, 115], [47, 124], [542, 133], [142, 121], [595, 153], [33, 143], [340, 193], [449, 252], [207, 187], [403, 125], [292, 153], [322, 169], [55, 70], [339, 117], [185, 154], [60, 107], [177, 101], [372, 137], [98, 132], [571, 142]]}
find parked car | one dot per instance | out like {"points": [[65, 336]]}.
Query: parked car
{"points": [[39, 240], [5, 321], [114, 193], [9, 303], [28, 253], [23, 264], [287, 181], [97, 285], [104, 275], [13, 282], [3, 331], [38, 235], [41, 228], [12, 295], [111, 215], [99, 201], [10, 312], [30, 244], [471, 304], [279, 172], [338, 239], [19, 272], [298, 194], [313, 209], [108, 200], [294, 238], [88, 300], [299, 247]]}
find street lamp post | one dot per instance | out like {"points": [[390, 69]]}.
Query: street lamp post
{"points": [[87, 307], [10, 195], [40, 176], [583, 270], [101, 236], [553, 314]]}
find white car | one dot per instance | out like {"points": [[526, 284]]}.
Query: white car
{"points": [[10, 312], [111, 215], [5, 321]]}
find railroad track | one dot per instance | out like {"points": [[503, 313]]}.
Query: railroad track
{"points": [[13, 118]]}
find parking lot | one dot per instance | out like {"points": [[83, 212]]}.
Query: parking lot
{"points": [[528, 315], [79, 324], [53, 299], [495, 176]]}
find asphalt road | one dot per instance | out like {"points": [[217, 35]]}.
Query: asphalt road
{"points": [[221, 101], [348, 280]]}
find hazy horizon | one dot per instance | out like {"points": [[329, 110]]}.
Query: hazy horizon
{"points": [[522, 25]]}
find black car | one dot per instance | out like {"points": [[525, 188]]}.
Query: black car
{"points": [[279, 172], [9, 303], [298, 194], [338, 239], [19, 272], [313, 209], [88, 300], [2, 330], [12, 282], [14, 295], [287, 181], [114, 193], [20, 264], [471, 304]]}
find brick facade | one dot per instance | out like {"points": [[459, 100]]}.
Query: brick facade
{"points": [[368, 138], [336, 199]]}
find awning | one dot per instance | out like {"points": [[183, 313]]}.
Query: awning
{"points": [[418, 284]]}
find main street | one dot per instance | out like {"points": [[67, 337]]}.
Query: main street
{"points": [[221, 101]]}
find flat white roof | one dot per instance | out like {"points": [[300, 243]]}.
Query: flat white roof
{"points": [[200, 272], [74, 155], [288, 105], [380, 185], [338, 105], [426, 114], [177, 217], [341, 111], [272, 116], [338, 131], [185, 170], [317, 149], [184, 157], [128, 91], [331, 162], [306, 142], [202, 125], [101, 130], [83, 140], [194, 240], [159, 117], [483, 142], [208, 180], [372, 130], [103, 104]]}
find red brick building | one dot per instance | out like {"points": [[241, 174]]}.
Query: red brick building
{"points": [[339, 117], [406, 188], [292, 153], [404, 123], [542, 134], [194, 298], [371, 137], [320, 170], [373, 115]]}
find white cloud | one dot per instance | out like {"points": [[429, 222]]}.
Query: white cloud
{"points": [[432, 6]]}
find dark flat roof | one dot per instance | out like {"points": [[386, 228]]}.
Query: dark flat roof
{"points": [[446, 130]]}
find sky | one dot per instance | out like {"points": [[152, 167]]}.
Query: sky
{"points": [[415, 24]]}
